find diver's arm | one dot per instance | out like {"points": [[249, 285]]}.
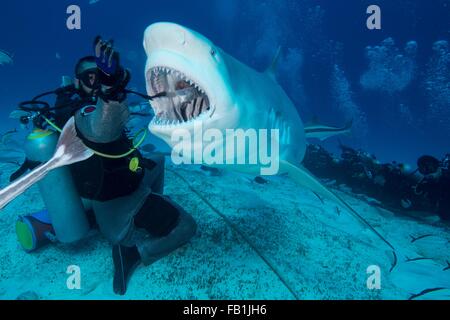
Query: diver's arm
{"points": [[113, 77]]}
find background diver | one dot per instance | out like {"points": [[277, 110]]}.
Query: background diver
{"points": [[394, 184], [109, 190]]}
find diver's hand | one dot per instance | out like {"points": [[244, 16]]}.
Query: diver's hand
{"points": [[107, 59], [113, 77]]}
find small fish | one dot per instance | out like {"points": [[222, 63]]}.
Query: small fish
{"points": [[5, 136], [414, 239], [260, 180], [416, 259], [447, 267], [319, 197], [424, 292], [394, 264], [5, 57], [323, 132], [17, 114], [70, 149]]}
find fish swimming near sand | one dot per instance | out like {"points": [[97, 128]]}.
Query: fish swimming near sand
{"points": [[5, 137], [5, 58], [323, 132]]}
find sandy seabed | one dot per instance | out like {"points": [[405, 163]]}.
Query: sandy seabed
{"points": [[254, 241]]}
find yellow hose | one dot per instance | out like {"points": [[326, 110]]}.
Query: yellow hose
{"points": [[109, 156]]}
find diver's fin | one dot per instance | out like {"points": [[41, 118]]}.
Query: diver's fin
{"points": [[70, 149], [125, 260], [304, 178], [272, 70]]}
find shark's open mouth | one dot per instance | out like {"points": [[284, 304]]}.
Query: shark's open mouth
{"points": [[185, 100]]}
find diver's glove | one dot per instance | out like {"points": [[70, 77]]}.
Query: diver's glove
{"points": [[113, 77]]}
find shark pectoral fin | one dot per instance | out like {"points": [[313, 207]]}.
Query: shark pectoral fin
{"points": [[306, 179]]}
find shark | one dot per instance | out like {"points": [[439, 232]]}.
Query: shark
{"points": [[199, 84]]}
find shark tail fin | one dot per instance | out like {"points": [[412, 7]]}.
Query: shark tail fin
{"points": [[272, 70], [304, 178]]}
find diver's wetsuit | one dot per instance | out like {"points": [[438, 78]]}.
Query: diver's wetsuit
{"points": [[123, 201], [444, 202], [437, 193]]}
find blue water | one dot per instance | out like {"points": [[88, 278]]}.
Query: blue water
{"points": [[315, 36]]}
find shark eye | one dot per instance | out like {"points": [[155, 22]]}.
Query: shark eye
{"points": [[213, 52]]}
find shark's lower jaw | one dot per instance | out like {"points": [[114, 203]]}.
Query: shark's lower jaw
{"points": [[185, 100]]}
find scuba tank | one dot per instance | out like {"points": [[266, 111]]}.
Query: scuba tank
{"points": [[58, 191]]}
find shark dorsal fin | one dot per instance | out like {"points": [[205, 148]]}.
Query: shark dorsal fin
{"points": [[272, 70]]}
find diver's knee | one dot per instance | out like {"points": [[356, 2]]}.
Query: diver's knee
{"points": [[160, 160], [188, 224]]}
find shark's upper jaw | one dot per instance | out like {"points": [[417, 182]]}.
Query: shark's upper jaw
{"points": [[185, 102]]}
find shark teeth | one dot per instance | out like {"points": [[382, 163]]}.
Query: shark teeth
{"points": [[178, 74], [164, 123], [185, 99]]}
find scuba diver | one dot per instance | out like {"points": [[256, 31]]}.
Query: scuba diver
{"points": [[116, 190], [435, 183], [393, 184]]}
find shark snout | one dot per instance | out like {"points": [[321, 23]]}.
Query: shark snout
{"points": [[165, 34]]}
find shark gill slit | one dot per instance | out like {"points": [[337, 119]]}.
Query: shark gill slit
{"points": [[240, 233]]}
